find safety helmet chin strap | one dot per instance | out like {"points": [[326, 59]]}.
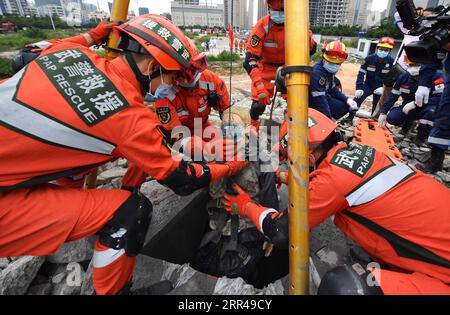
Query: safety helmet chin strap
{"points": [[144, 80]]}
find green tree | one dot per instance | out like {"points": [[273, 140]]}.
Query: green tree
{"points": [[386, 28]]}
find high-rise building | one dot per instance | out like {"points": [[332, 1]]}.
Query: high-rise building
{"points": [[52, 9], [263, 9], [358, 12], [167, 15], [328, 12], [110, 7], [143, 11], [249, 19], [18, 7], [40, 3], [197, 14], [240, 13], [131, 15]]}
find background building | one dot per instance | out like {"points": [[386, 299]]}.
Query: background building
{"points": [[192, 13], [242, 13], [263, 10], [167, 15], [18, 7], [143, 11], [328, 12]]}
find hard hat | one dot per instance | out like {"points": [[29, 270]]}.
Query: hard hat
{"points": [[164, 41], [319, 128], [335, 52], [386, 42], [276, 5]]}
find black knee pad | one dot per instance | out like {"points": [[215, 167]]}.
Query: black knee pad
{"points": [[345, 280], [257, 110], [128, 227]]}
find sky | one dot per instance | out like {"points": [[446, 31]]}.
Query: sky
{"points": [[161, 6]]}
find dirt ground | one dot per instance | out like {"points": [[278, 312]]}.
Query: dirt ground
{"points": [[241, 81]]}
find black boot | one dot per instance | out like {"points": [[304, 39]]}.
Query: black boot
{"points": [[349, 119], [406, 128], [419, 141], [435, 162]]}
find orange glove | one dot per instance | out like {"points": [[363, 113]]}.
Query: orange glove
{"points": [[281, 178], [226, 169], [237, 203], [263, 94], [101, 31]]}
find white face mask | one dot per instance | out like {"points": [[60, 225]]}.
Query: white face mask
{"points": [[164, 90], [413, 71]]}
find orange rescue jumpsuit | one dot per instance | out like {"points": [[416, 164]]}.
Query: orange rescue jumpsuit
{"points": [[264, 54], [397, 214], [65, 113], [188, 104]]}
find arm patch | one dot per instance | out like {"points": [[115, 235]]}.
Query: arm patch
{"points": [[254, 41]]}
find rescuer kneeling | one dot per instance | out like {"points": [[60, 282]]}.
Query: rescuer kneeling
{"points": [[394, 212], [325, 93]]}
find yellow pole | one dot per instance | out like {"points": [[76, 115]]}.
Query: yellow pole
{"points": [[119, 13], [297, 82]]}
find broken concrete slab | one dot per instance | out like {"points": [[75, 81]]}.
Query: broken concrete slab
{"points": [[87, 286], [236, 286], [76, 251], [444, 176], [111, 173], [40, 289], [18, 275]]}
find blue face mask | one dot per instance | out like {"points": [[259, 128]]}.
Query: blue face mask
{"points": [[192, 84], [162, 91], [277, 16], [331, 67], [382, 53]]}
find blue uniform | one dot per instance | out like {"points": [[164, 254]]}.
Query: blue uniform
{"points": [[325, 93], [440, 133], [406, 87], [370, 77]]}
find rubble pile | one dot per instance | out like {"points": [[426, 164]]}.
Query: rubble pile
{"points": [[69, 271]]}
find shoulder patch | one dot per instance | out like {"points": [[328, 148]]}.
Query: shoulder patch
{"points": [[89, 92], [254, 41], [163, 114], [356, 158], [322, 81]]}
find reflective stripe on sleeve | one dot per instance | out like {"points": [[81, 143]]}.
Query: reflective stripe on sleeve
{"points": [[426, 122], [315, 94], [183, 113], [205, 84]]}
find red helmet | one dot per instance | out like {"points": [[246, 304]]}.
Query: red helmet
{"points": [[386, 42], [320, 127], [335, 52], [165, 42], [276, 5]]}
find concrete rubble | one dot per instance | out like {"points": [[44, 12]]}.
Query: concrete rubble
{"points": [[69, 271]]}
